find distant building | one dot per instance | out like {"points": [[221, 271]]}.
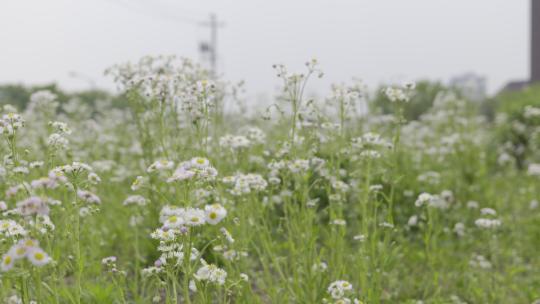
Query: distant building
{"points": [[472, 86], [515, 85], [535, 51]]}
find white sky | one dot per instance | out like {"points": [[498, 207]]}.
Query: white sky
{"points": [[377, 41]]}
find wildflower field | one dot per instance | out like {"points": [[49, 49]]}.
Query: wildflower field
{"points": [[185, 193]]}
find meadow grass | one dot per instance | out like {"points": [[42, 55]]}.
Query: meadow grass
{"points": [[174, 199]]}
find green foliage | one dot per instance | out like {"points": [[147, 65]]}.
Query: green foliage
{"points": [[517, 125], [170, 200], [513, 102], [19, 95], [421, 101]]}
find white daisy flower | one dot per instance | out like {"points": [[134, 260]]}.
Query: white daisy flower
{"points": [[38, 257], [194, 217], [7, 262], [215, 213], [211, 273], [173, 221]]}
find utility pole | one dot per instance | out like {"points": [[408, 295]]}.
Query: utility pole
{"points": [[535, 41], [210, 47]]}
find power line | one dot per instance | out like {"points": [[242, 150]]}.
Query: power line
{"points": [[152, 13], [209, 47], [169, 8]]}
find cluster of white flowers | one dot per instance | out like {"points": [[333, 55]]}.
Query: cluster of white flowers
{"points": [[138, 200], [21, 170], [42, 224], [57, 139], [533, 169], [480, 262], [298, 165], [488, 221], [413, 221], [198, 98], [340, 292], [14, 190], [75, 167], [10, 123], [137, 183], [245, 183], [397, 94], [488, 211], [33, 205], [231, 254], [175, 222], [150, 271], [211, 273], [197, 168], [214, 213], [368, 154], [320, 267], [339, 186], [88, 197], [367, 146], [14, 299], [330, 126], [505, 159], [54, 178], [165, 234], [255, 135], [172, 253], [234, 142], [429, 177], [370, 141], [160, 165], [60, 127], [434, 201], [110, 265], [73, 173], [25, 249], [531, 112], [459, 229], [170, 80], [11, 228], [42, 101], [173, 217]]}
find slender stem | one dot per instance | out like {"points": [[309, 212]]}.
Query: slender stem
{"points": [[79, 265]]}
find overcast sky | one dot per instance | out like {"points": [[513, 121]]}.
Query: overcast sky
{"points": [[377, 41]]}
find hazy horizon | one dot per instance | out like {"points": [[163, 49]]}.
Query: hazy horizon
{"points": [[379, 42]]}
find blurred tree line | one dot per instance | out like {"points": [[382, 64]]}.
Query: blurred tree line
{"points": [[518, 129], [18, 95], [421, 101]]}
